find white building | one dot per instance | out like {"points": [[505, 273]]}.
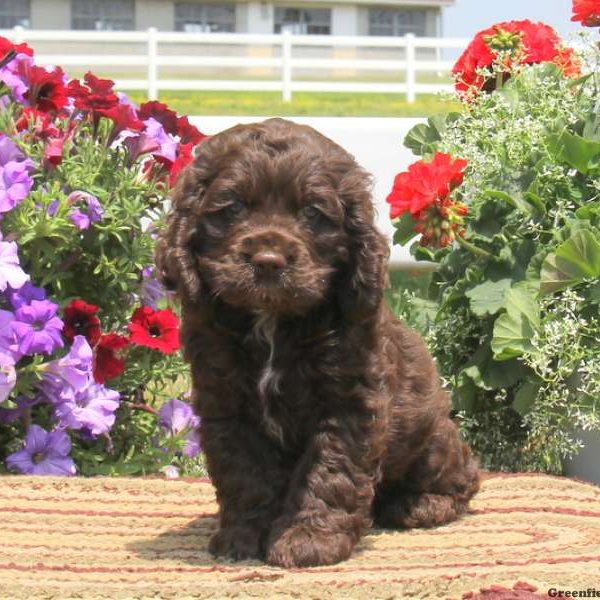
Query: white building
{"points": [[331, 17]]}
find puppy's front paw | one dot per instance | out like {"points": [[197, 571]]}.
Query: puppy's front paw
{"points": [[301, 546], [237, 543]]}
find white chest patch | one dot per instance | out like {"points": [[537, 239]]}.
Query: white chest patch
{"points": [[270, 378]]}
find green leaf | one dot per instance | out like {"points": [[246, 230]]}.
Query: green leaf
{"points": [[574, 261], [527, 203], [420, 137], [589, 212], [488, 298], [525, 397], [489, 374], [405, 229], [514, 329], [465, 393], [535, 202], [490, 217], [422, 253], [576, 151]]}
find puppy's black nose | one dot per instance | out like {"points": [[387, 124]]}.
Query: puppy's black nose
{"points": [[269, 261]]}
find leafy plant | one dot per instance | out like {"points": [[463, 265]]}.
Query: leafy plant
{"points": [[90, 381], [516, 329]]}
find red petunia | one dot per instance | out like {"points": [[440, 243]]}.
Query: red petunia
{"points": [[41, 124], [161, 113], [587, 11], [96, 95], [53, 151], [47, 91], [519, 43], [7, 46], [188, 133], [108, 362], [123, 117], [156, 329], [185, 156], [424, 184], [80, 319]]}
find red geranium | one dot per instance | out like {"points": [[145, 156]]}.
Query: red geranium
{"points": [[161, 113], [424, 192], [80, 319], [516, 43], [96, 95], [108, 363], [425, 183], [6, 46], [47, 91], [157, 329], [586, 11]]}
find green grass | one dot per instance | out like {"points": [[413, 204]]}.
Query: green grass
{"points": [[303, 103]]}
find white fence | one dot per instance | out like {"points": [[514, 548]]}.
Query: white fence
{"points": [[282, 56]]}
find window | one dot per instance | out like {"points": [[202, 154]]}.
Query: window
{"points": [[303, 20], [386, 21], [108, 15], [13, 13], [204, 17]]}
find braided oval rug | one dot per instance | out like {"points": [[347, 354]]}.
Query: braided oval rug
{"points": [[146, 538]]}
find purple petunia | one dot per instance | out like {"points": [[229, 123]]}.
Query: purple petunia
{"points": [[9, 151], [44, 453], [151, 290], [88, 211], [79, 403], [92, 408], [15, 182], [10, 269], [9, 75], [8, 375], [53, 208], [37, 328], [8, 339], [154, 139], [24, 295], [23, 404], [176, 417], [74, 370]]}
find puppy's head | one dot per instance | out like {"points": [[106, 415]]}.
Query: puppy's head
{"points": [[273, 217]]}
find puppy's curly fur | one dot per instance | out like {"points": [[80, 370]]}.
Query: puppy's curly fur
{"points": [[321, 413]]}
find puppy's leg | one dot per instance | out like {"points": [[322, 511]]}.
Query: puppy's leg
{"points": [[437, 487], [327, 506], [250, 485]]}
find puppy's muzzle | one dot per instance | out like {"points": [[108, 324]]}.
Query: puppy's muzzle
{"points": [[270, 253]]}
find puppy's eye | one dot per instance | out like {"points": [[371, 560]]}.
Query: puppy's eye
{"points": [[236, 207], [311, 212]]}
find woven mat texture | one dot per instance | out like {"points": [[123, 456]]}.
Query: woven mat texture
{"points": [[146, 538]]}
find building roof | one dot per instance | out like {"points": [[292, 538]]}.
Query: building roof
{"points": [[406, 3], [399, 3]]}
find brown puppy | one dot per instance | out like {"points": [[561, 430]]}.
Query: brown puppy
{"points": [[320, 411]]}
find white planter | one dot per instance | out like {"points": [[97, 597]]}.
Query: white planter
{"points": [[586, 464]]}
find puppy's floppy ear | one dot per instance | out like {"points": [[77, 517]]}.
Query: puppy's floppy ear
{"points": [[173, 254], [364, 277]]}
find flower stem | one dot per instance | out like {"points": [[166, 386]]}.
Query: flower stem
{"points": [[143, 406], [499, 80], [472, 248]]}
